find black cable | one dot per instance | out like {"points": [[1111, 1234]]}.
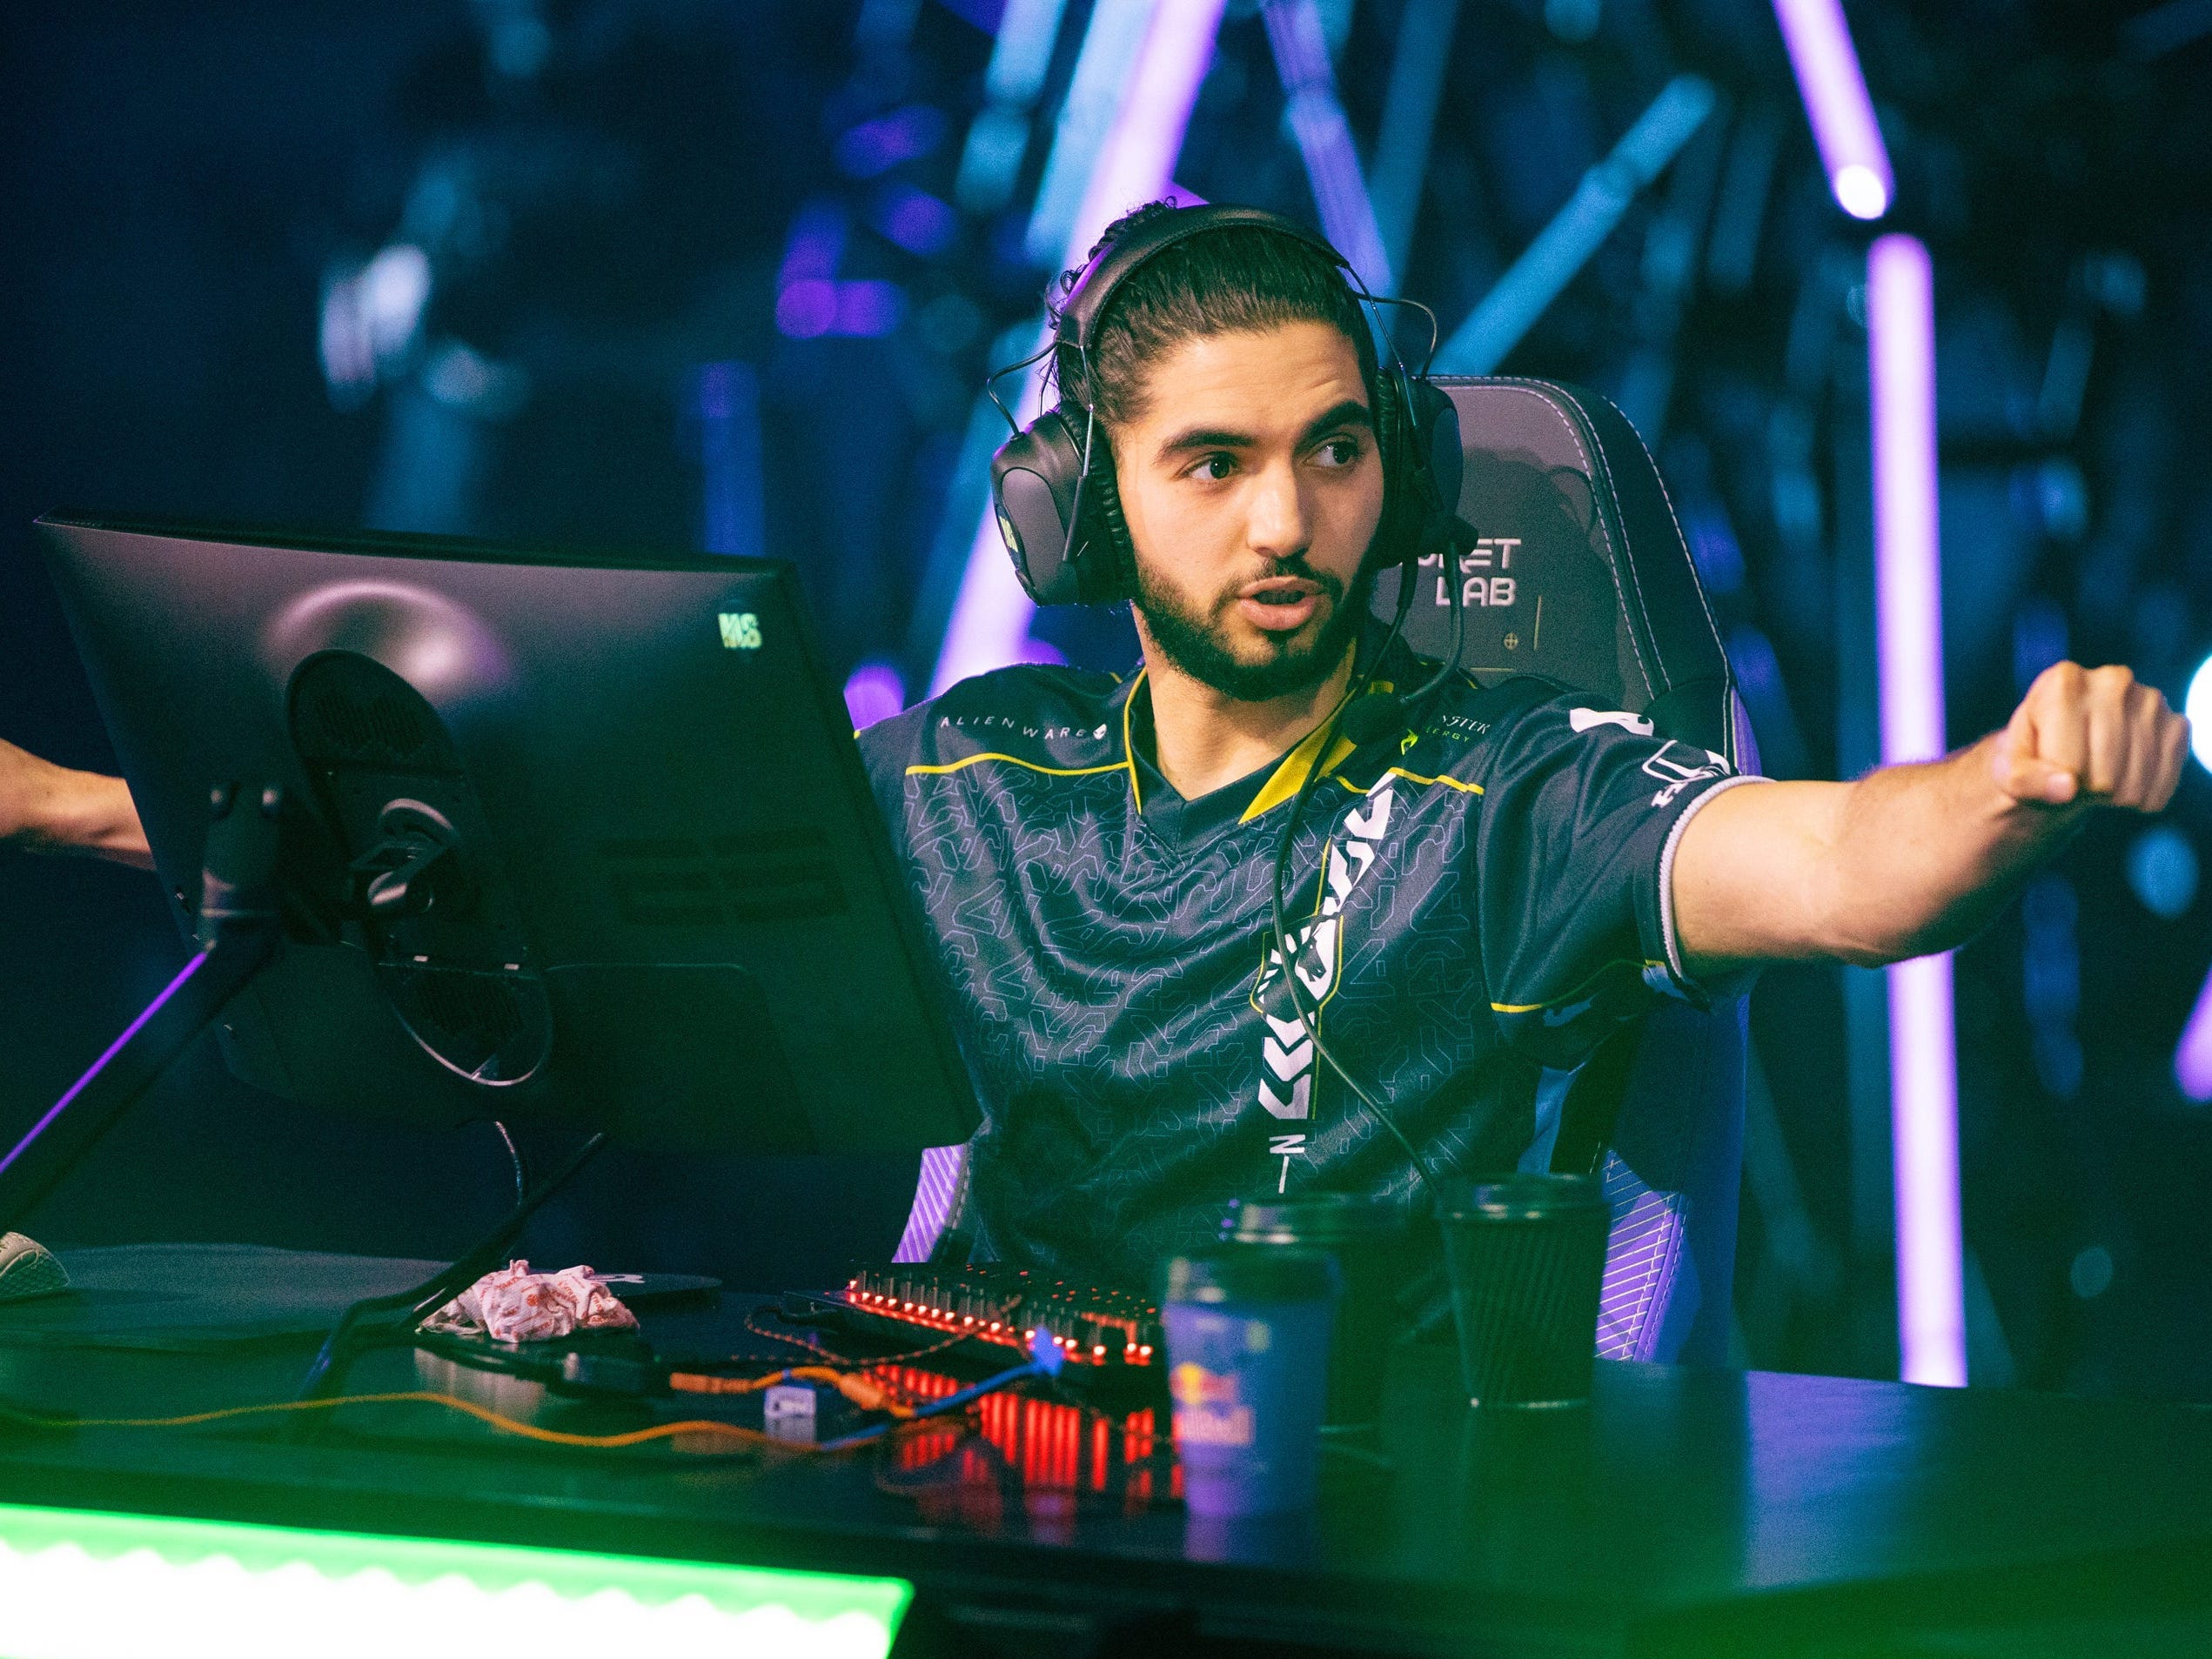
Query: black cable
{"points": [[1308, 1013], [1372, 717], [990, 388], [514, 1158], [1365, 725]]}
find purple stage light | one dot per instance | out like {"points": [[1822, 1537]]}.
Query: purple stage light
{"points": [[810, 303], [1138, 157], [989, 626], [1317, 117], [1836, 102], [2192, 1058], [198, 960], [1035, 650], [816, 244], [1909, 610], [877, 146], [1900, 341], [1924, 1141], [916, 220], [807, 309], [875, 692], [870, 310]]}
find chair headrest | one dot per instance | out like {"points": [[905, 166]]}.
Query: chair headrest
{"points": [[1582, 574]]}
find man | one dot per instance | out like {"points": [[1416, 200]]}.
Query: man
{"points": [[1488, 896]]}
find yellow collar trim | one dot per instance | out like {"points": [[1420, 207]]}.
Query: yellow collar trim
{"points": [[1297, 766], [1128, 749]]}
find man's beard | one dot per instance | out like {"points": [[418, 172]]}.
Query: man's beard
{"points": [[1194, 642]]}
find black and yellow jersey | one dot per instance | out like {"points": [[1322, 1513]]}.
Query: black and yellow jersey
{"points": [[1487, 899]]}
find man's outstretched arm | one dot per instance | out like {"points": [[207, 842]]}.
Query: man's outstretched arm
{"points": [[1914, 859], [46, 808]]}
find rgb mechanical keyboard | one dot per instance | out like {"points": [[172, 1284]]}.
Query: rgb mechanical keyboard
{"points": [[1101, 1330]]}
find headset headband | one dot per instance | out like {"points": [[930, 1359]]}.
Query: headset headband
{"points": [[1078, 313]]}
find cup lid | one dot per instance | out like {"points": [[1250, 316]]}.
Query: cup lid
{"points": [[1522, 1197], [1246, 1272], [1311, 1218]]}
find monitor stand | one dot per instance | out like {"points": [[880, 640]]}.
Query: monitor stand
{"points": [[239, 929], [380, 1321], [239, 926]]}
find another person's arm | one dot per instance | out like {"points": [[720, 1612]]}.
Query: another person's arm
{"points": [[1914, 859], [46, 808]]}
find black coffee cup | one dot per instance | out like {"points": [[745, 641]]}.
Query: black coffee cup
{"points": [[1369, 1242], [1527, 1255]]}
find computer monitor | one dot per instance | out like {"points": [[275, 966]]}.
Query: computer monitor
{"points": [[571, 838]]}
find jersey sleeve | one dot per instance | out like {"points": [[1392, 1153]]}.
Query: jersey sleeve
{"points": [[1582, 810]]}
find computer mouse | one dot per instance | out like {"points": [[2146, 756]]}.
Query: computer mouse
{"points": [[28, 1268]]}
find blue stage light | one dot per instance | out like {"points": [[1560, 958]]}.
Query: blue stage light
{"points": [[1564, 246], [2162, 871]]}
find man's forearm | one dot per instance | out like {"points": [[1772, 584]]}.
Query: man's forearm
{"points": [[46, 808], [1924, 855], [1906, 859]]}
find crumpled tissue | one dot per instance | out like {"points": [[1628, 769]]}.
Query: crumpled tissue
{"points": [[513, 1304]]}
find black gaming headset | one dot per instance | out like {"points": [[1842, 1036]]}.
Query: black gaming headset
{"points": [[1052, 483]]}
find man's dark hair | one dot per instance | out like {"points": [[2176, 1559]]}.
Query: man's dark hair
{"points": [[1236, 279]]}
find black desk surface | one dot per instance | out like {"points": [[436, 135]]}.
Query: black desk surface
{"points": [[1684, 1512]]}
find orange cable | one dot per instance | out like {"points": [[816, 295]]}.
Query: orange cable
{"points": [[484, 1413]]}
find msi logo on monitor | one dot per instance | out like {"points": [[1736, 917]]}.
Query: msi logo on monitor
{"points": [[740, 630]]}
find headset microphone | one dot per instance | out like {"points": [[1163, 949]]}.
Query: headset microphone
{"points": [[1382, 714], [1372, 717]]}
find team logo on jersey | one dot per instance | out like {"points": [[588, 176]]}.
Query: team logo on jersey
{"points": [[1677, 765], [1680, 765], [1287, 1060], [1584, 719]]}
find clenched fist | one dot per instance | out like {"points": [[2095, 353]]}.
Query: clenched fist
{"points": [[2092, 735]]}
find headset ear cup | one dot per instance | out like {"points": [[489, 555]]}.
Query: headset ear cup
{"points": [[1033, 491], [1417, 430], [1108, 565], [1398, 529], [1436, 434]]}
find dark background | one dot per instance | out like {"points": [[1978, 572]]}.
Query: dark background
{"points": [[610, 194]]}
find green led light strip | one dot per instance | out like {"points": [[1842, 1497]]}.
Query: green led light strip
{"points": [[78, 1585]]}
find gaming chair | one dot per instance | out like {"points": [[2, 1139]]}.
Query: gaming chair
{"points": [[1584, 577]]}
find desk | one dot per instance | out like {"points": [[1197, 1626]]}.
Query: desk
{"points": [[1686, 1512]]}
